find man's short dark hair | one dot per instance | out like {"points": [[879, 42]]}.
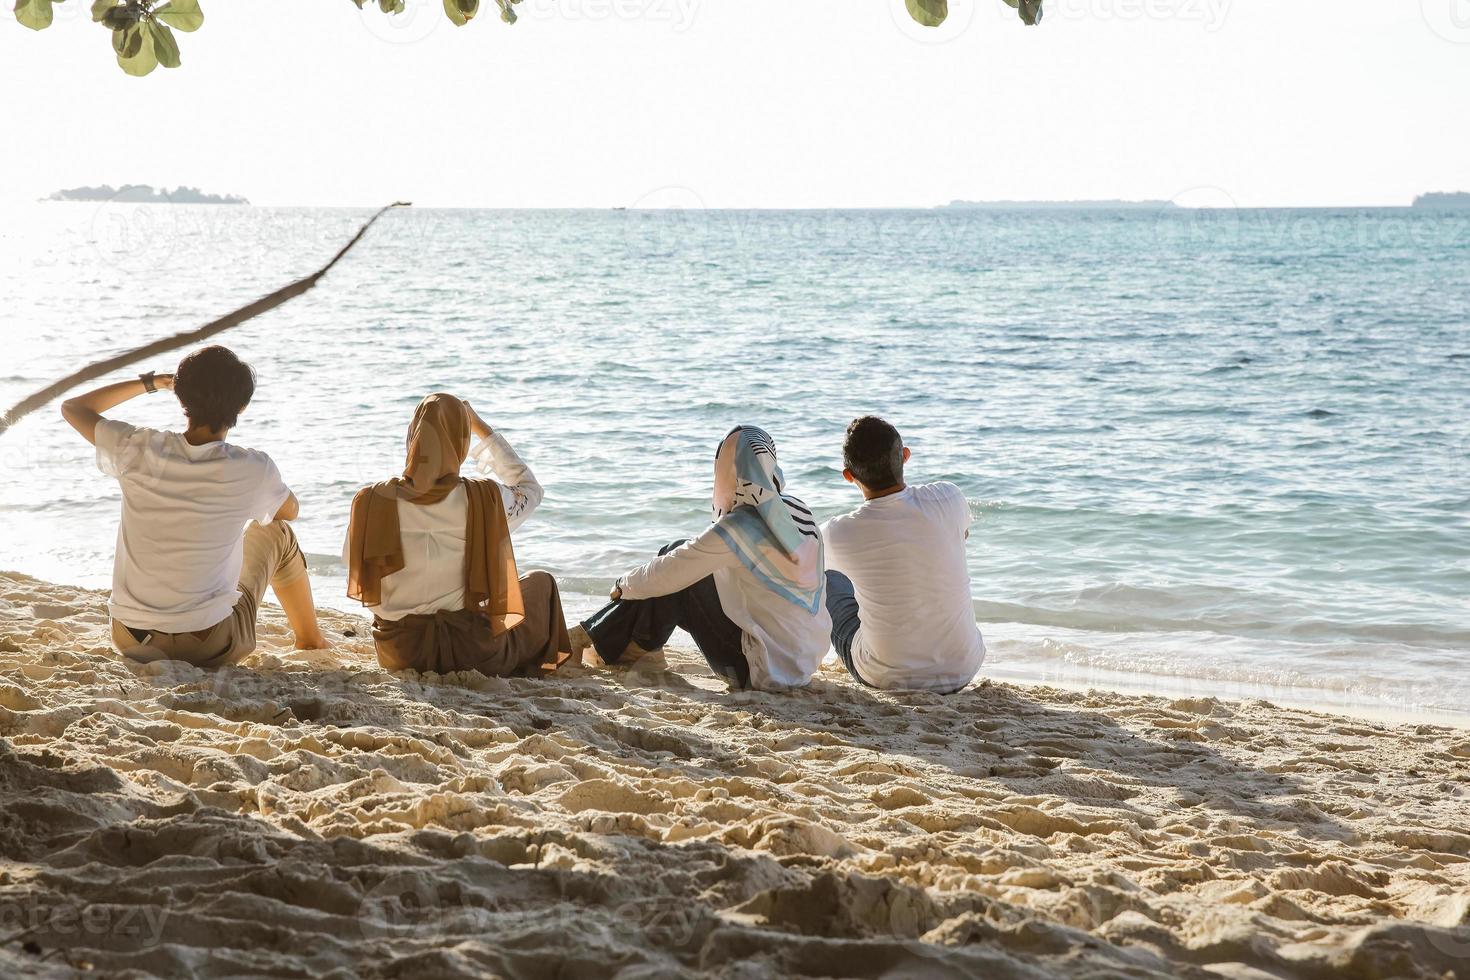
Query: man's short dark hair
{"points": [[873, 453], [214, 386]]}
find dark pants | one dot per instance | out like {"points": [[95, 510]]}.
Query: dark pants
{"points": [[842, 606], [650, 622]]}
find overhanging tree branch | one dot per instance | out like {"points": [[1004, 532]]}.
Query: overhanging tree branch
{"points": [[266, 303]]}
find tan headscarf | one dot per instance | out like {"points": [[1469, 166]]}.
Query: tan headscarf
{"points": [[438, 442]]}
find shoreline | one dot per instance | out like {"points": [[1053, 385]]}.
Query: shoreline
{"points": [[310, 813], [1170, 686], [330, 595]]}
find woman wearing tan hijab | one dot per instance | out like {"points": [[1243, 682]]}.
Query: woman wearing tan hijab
{"points": [[430, 553]]}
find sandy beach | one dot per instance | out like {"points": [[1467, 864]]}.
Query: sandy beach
{"points": [[310, 815]]}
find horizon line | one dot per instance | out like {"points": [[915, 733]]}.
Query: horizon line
{"points": [[1103, 204]]}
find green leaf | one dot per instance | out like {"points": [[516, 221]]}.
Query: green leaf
{"points": [[100, 8], [137, 57], [119, 18], [127, 40], [164, 45], [930, 13], [461, 12], [35, 14], [391, 6], [508, 14], [184, 15]]}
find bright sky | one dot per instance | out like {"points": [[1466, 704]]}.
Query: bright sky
{"points": [[758, 103]]}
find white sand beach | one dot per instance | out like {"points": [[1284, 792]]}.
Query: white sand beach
{"points": [[310, 815]]}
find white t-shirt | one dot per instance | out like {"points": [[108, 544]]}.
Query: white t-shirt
{"points": [[905, 554], [782, 642], [181, 539], [432, 578]]}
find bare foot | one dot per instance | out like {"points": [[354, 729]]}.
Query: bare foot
{"points": [[635, 654], [312, 642], [296, 603], [583, 652]]}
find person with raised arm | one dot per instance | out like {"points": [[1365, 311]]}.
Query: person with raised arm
{"points": [[429, 552], [205, 524]]}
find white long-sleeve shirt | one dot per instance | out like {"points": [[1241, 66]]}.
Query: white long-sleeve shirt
{"points": [[783, 643], [433, 535]]}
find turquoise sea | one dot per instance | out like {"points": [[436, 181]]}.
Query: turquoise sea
{"points": [[1208, 452]]}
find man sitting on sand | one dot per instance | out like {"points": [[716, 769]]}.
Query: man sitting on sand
{"points": [[898, 589], [186, 583]]}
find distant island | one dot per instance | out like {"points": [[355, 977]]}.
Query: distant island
{"points": [[144, 194], [1441, 199], [1060, 205]]}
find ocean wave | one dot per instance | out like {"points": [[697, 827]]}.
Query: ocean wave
{"points": [[1128, 609], [1201, 664]]}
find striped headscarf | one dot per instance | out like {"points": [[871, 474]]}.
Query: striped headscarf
{"points": [[772, 533]]}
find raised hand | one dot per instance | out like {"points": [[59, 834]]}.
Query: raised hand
{"points": [[477, 424]]}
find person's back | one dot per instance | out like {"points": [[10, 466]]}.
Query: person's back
{"points": [[430, 553], [748, 589], [184, 509], [900, 587], [204, 523]]}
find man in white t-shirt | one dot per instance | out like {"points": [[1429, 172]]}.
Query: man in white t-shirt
{"points": [[898, 587], [203, 527]]}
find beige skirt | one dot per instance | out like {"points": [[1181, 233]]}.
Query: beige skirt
{"points": [[462, 640]]}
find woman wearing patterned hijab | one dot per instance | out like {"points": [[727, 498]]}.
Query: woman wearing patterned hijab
{"points": [[748, 589]]}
